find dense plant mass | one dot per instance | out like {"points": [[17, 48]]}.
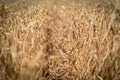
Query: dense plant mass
{"points": [[60, 40]]}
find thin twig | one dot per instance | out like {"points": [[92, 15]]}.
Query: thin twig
{"points": [[110, 24]]}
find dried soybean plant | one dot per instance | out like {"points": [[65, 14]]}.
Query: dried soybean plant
{"points": [[75, 40]]}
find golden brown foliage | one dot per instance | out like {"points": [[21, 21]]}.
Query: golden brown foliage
{"points": [[62, 41]]}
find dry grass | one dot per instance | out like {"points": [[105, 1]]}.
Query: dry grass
{"points": [[65, 41]]}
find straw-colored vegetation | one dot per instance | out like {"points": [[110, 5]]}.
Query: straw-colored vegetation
{"points": [[60, 40]]}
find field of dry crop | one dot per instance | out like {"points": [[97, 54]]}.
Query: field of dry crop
{"points": [[59, 40]]}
